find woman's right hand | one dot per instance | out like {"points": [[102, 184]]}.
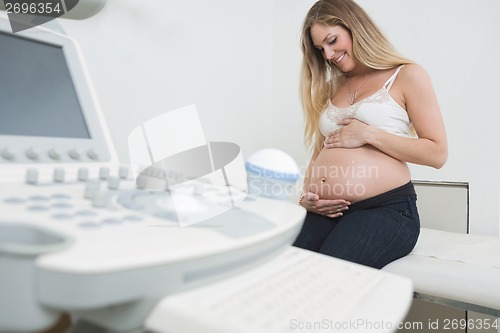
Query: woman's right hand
{"points": [[331, 208]]}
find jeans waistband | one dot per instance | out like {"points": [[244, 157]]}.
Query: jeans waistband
{"points": [[406, 190]]}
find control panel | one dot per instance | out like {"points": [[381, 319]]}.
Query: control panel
{"points": [[97, 239]]}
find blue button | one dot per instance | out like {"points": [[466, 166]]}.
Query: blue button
{"points": [[165, 215], [61, 205], [89, 225], [13, 200], [112, 221], [86, 213], [132, 218], [60, 196], [62, 216], [38, 198], [37, 208]]}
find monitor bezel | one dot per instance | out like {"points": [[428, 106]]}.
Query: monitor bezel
{"points": [[99, 136]]}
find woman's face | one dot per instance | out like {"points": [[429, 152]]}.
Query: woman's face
{"points": [[335, 44]]}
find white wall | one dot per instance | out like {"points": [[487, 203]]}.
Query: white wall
{"points": [[289, 121], [149, 57], [456, 41]]}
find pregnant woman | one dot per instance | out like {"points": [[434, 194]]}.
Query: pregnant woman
{"points": [[369, 111]]}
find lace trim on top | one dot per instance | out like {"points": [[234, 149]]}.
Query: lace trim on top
{"points": [[334, 113], [390, 117]]}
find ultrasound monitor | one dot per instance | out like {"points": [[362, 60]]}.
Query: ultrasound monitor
{"points": [[48, 111]]}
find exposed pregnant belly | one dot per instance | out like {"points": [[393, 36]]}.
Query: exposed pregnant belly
{"points": [[356, 174]]}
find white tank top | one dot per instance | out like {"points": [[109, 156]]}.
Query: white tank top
{"points": [[379, 110]]}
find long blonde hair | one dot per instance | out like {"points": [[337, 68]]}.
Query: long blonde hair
{"points": [[319, 79]]}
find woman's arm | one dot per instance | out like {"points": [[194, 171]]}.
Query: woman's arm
{"points": [[430, 148]]}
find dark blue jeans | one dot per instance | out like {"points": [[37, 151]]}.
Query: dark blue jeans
{"points": [[372, 237]]}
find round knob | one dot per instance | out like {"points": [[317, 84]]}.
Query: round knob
{"points": [[74, 153], [54, 154], [93, 154], [7, 154], [32, 154]]}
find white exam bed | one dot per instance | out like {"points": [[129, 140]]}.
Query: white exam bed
{"points": [[459, 270]]}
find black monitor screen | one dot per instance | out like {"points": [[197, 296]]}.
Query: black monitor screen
{"points": [[37, 94]]}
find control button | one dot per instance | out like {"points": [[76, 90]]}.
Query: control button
{"points": [[88, 225], [7, 154], [83, 174], [104, 173], [61, 196], [38, 198], [62, 216], [59, 175], [129, 202], [93, 154], [86, 213], [100, 199], [91, 188], [165, 215], [37, 208], [13, 200], [32, 176], [54, 154], [113, 183], [32, 154], [123, 172], [61, 205], [111, 221], [132, 218], [74, 153]]}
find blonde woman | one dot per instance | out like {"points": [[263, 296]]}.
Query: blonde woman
{"points": [[369, 111]]}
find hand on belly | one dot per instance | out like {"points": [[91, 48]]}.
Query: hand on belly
{"points": [[330, 208]]}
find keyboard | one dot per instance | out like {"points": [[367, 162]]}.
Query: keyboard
{"points": [[293, 292]]}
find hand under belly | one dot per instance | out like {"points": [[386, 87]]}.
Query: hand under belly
{"points": [[356, 174]]}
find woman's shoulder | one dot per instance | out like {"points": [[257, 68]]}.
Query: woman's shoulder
{"points": [[414, 83], [413, 74]]}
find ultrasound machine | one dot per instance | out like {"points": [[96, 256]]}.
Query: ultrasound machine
{"points": [[79, 234]]}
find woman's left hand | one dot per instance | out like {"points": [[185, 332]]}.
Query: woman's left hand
{"points": [[351, 135]]}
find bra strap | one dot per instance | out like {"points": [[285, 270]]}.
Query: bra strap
{"points": [[388, 83]]}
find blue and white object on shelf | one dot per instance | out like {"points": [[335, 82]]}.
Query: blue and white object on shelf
{"points": [[271, 173]]}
